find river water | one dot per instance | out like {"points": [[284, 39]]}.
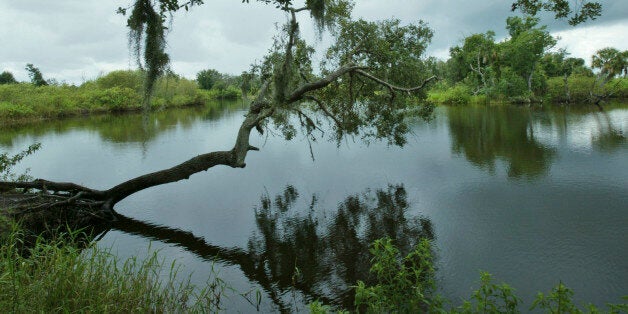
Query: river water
{"points": [[532, 196]]}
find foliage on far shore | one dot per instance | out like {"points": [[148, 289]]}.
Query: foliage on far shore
{"points": [[526, 68], [117, 91], [582, 89]]}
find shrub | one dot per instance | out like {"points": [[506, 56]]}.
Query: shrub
{"points": [[7, 77], [512, 85], [580, 87], [556, 90], [617, 88], [9, 110], [404, 284], [459, 94], [114, 99], [175, 91], [122, 78]]}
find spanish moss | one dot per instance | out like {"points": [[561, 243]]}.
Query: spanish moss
{"points": [[147, 31]]}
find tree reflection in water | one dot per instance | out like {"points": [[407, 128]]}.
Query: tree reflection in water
{"points": [[609, 138], [486, 134], [303, 252]]}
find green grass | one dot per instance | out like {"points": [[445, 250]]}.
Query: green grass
{"points": [[56, 276], [117, 91], [459, 94]]}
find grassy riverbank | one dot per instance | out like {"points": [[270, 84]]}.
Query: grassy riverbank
{"points": [[117, 91], [56, 276]]}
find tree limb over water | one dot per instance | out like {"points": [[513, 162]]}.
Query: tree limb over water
{"points": [[290, 86], [372, 73]]}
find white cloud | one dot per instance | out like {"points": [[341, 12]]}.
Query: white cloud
{"points": [[585, 41]]}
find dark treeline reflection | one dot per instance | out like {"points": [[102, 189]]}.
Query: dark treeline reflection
{"points": [[122, 128], [486, 134], [302, 250], [609, 138]]}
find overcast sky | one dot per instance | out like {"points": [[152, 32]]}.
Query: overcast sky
{"points": [[77, 40]]}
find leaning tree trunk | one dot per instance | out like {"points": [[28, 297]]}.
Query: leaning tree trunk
{"points": [[43, 202], [63, 201]]}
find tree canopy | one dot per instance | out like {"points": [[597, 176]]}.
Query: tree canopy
{"points": [[611, 62], [7, 77], [575, 12], [35, 75]]}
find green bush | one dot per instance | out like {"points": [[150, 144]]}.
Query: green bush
{"points": [[9, 110], [113, 99], [176, 91], [459, 94], [231, 92], [512, 86], [580, 87], [618, 88], [490, 298], [404, 284], [122, 78], [556, 90]]}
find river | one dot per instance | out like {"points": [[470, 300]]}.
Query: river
{"points": [[533, 196]]}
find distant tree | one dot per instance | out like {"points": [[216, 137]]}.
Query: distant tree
{"points": [[206, 79], [35, 75], [7, 77], [556, 64], [477, 56], [526, 47], [611, 62], [455, 69]]}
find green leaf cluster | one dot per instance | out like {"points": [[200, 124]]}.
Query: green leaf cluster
{"points": [[404, 284]]}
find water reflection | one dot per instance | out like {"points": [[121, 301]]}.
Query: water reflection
{"points": [[485, 134], [610, 137], [123, 128], [298, 250]]}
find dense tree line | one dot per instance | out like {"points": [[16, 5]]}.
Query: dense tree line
{"points": [[227, 86], [524, 67]]}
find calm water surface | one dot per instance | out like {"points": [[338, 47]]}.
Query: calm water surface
{"points": [[533, 196]]}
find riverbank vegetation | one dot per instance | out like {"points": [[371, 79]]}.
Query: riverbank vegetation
{"points": [[117, 91], [59, 276], [525, 68]]}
